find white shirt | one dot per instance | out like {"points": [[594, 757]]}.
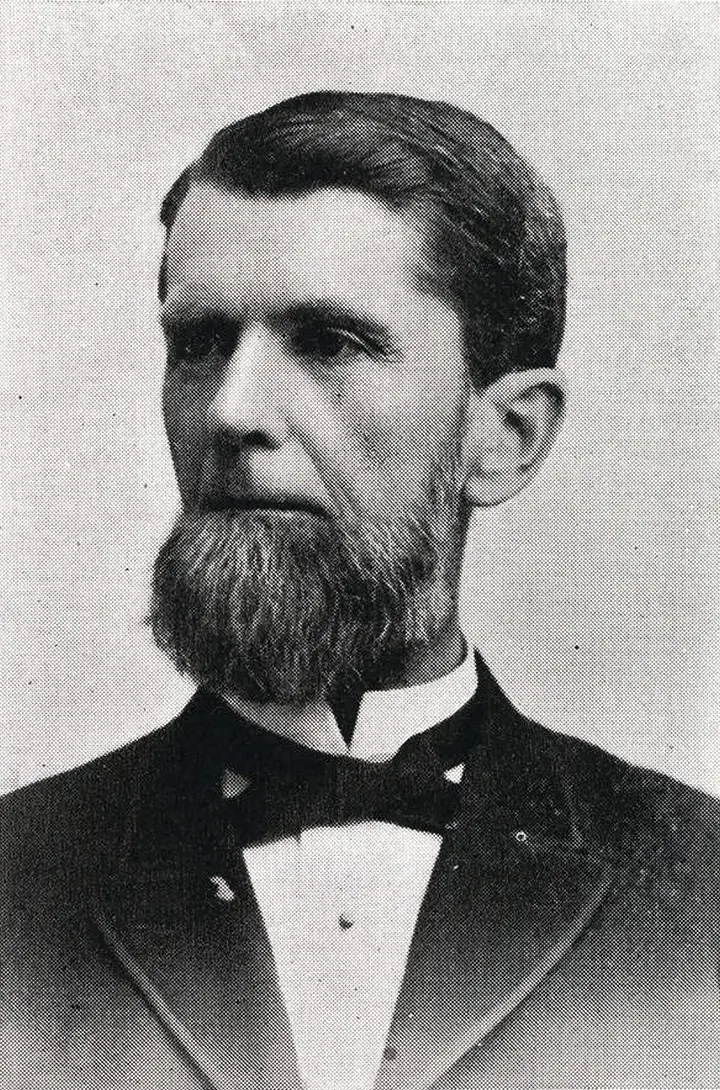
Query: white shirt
{"points": [[340, 903]]}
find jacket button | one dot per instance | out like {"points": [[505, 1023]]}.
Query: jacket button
{"points": [[390, 1053]]}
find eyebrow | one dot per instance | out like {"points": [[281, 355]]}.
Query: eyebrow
{"points": [[184, 312], [341, 315], [329, 312]]}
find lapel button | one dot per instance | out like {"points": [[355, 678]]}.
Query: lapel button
{"points": [[521, 836]]}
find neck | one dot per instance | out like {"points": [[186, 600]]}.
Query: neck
{"points": [[431, 662]]}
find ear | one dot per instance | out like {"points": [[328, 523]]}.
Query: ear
{"points": [[512, 425]]}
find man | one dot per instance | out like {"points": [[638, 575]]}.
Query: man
{"points": [[350, 862]]}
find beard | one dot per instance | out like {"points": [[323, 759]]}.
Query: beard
{"points": [[286, 608]]}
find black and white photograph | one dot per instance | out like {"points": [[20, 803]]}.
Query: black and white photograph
{"points": [[360, 543]]}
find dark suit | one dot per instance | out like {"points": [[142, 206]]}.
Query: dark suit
{"points": [[569, 935]]}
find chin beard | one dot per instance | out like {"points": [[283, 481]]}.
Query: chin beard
{"points": [[285, 609]]}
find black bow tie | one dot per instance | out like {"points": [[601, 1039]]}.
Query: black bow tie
{"points": [[292, 787]]}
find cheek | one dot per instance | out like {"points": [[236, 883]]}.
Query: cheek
{"points": [[409, 425], [378, 448], [183, 416]]}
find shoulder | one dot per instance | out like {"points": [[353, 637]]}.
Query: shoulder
{"points": [[580, 794], [662, 830], [610, 791], [61, 795], [51, 829]]}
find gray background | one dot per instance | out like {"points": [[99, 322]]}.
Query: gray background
{"points": [[594, 595]]}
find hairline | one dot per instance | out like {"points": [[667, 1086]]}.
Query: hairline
{"points": [[519, 324]]}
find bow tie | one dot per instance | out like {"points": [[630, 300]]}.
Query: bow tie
{"points": [[292, 787]]}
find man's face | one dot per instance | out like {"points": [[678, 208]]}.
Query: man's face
{"points": [[315, 402], [305, 369]]}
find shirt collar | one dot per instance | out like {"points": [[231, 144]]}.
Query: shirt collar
{"points": [[386, 717]]}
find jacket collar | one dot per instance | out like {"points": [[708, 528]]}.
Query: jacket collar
{"points": [[514, 886]]}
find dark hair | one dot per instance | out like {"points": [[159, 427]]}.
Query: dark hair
{"points": [[493, 230]]}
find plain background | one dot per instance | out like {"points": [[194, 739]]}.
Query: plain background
{"points": [[595, 595]]}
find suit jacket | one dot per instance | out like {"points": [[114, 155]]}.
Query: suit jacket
{"points": [[568, 936]]}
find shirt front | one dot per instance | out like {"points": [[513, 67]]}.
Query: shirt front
{"points": [[340, 903]]}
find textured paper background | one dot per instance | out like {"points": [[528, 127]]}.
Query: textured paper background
{"points": [[594, 596]]}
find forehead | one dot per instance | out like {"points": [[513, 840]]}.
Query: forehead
{"points": [[328, 243]]}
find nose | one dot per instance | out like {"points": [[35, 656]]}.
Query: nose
{"points": [[246, 407]]}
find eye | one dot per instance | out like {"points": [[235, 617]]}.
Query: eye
{"points": [[196, 348], [328, 343]]}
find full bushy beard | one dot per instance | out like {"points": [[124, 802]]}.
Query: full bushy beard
{"points": [[287, 608]]}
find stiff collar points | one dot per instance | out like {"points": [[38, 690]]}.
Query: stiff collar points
{"points": [[386, 718]]}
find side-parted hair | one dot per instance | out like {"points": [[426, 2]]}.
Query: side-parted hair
{"points": [[493, 233]]}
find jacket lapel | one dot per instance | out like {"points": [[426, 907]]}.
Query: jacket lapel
{"points": [[180, 917], [514, 887]]}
